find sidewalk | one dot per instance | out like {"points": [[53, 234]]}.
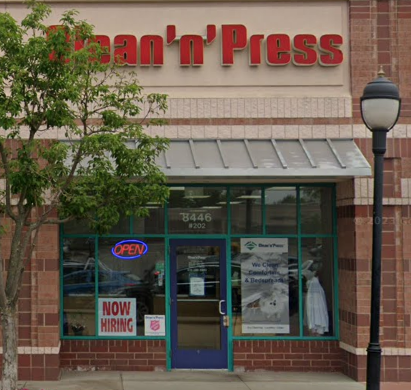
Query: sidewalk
{"points": [[197, 380], [204, 380]]}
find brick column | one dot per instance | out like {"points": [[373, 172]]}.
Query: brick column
{"points": [[38, 309]]}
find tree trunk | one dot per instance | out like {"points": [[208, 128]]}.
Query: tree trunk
{"points": [[10, 357]]}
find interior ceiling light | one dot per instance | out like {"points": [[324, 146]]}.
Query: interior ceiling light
{"points": [[197, 196], [249, 197]]}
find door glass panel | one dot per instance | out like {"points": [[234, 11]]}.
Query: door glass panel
{"points": [[198, 296]]}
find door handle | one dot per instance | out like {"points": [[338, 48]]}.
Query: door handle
{"points": [[220, 310]]}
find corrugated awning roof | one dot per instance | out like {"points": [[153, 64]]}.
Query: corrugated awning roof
{"points": [[263, 159]]}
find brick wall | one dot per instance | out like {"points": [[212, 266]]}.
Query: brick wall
{"points": [[379, 31], [354, 264], [38, 308], [393, 368], [39, 367], [287, 356], [121, 355]]}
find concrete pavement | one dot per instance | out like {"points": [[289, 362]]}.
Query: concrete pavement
{"points": [[197, 380], [203, 380]]}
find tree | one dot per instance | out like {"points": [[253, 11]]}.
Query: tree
{"points": [[54, 78]]}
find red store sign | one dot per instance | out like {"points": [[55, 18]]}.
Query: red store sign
{"points": [[274, 49]]}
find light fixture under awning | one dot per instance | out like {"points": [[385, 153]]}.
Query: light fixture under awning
{"points": [[264, 159]]}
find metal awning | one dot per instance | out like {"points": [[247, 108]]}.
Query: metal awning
{"points": [[263, 159]]}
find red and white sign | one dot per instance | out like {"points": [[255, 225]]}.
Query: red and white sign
{"points": [[117, 317], [154, 325], [276, 49]]}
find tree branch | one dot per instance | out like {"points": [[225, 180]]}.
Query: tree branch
{"points": [[6, 167], [14, 289], [3, 298]]}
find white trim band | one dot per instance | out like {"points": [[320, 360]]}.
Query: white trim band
{"points": [[385, 351], [37, 350]]}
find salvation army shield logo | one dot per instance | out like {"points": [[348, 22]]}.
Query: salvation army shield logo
{"points": [[155, 325]]}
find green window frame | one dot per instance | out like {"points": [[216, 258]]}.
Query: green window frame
{"points": [[228, 236]]}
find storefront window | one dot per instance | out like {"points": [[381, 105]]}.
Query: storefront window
{"points": [[318, 286], [138, 283], [77, 227], [265, 289], [122, 227], [245, 210], [316, 210], [197, 210], [281, 210], [153, 224], [141, 279], [282, 265], [78, 287]]}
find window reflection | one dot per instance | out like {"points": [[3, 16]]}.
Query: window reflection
{"points": [[153, 224], [78, 287], [198, 210], [142, 279], [281, 210], [198, 294], [316, 210], [245, 210]]}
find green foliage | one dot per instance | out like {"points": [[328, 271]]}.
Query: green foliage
{"points": [[105, 167]]}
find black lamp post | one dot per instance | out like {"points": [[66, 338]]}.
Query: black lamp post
{"points": [[380, 110]]}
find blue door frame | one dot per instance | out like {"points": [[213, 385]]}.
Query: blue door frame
{"points": [[198, 358]]}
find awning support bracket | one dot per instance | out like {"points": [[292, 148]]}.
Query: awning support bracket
{"points": [[193, 153], [220, 149], [337, 156], [168, 165], [247, 146], [307, 153], [279, 154]]}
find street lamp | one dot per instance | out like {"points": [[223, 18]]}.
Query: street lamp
{"points": [[380, 110]]}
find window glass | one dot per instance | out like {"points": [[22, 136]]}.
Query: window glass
{"points": [[198, 295], [281, 210], [122, 226], [197, 210], [318, 286], [265, 287], [141, 279], [265, 275], [153, 224], [245, 210], [77, 227], [316, 210], [78, 287]]}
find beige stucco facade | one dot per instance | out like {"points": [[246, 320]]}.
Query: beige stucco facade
{"points": [[212, 80]]}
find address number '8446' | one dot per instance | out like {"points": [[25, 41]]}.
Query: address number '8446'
{"points": [[196, 217]]}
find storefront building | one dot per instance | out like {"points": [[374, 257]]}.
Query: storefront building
{"points": [[261, 258]]}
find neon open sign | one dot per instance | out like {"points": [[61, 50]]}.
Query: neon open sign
{"points": [[129, 249]]}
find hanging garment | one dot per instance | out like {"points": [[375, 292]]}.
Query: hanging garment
{"points": [[316, 307]]}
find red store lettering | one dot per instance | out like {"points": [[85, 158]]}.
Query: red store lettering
{"points": [[277, 49]]}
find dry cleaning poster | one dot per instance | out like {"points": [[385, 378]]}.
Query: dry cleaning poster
{"points": [[264, 285]]}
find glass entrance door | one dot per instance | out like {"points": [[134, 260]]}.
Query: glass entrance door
{"points": [[198, 303]]}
